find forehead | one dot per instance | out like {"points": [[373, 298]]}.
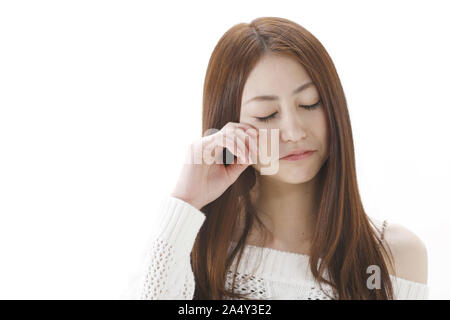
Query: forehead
{"points": [[274, 75]]}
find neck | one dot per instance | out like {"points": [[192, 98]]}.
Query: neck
{"points": [[288, 210]]}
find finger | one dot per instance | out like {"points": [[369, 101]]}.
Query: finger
{"points": [[247, 126], [245, 138], [218, 154], [232, 145], [253, 132], [231, 142], [239, 125], [225, 140], [250, 143], [226, 157], [253, 146], [209, 142], [213, 142]]}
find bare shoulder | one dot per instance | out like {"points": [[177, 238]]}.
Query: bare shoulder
{"points": [[409, 253]]}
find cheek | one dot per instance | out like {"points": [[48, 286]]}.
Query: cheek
{"points": [[265, 145], [242, 117], [321, 130], [324, 125]]}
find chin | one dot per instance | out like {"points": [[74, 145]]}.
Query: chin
{"points": [[293, 175]]}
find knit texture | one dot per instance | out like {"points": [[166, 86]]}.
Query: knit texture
{"points": [[263, 273]]}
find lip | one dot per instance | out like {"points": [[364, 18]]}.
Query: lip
{"points": [[298, 155]]}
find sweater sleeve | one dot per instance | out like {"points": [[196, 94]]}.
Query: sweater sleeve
{"points": [[409, 290], [165, 271]]}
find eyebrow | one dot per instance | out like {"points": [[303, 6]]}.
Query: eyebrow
{"points": [[272, 98]]}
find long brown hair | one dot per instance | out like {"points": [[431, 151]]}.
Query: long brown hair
{"points": [[343, 237]]}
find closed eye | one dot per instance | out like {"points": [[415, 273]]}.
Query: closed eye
{"points": [[308, 107], [266, 119]]}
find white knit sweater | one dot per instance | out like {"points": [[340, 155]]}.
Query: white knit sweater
{"points": [[166, 272]]}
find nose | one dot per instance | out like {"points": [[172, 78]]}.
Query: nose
{"points": [[292, 128]]}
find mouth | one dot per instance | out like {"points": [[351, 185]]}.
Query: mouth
{"points": [[298, 155]]}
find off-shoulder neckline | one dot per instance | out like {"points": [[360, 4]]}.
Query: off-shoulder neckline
{"points": [[302, 258], [282, 252]]}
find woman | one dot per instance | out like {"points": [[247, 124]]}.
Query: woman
{"points": [[231, 231]]}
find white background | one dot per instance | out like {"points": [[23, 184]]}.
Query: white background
{"points": [[98, 100]]}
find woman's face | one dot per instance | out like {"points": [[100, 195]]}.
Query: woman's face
{"points": [[299, 128]]}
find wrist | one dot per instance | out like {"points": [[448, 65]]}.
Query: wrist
{"points": [[188, 200]]}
